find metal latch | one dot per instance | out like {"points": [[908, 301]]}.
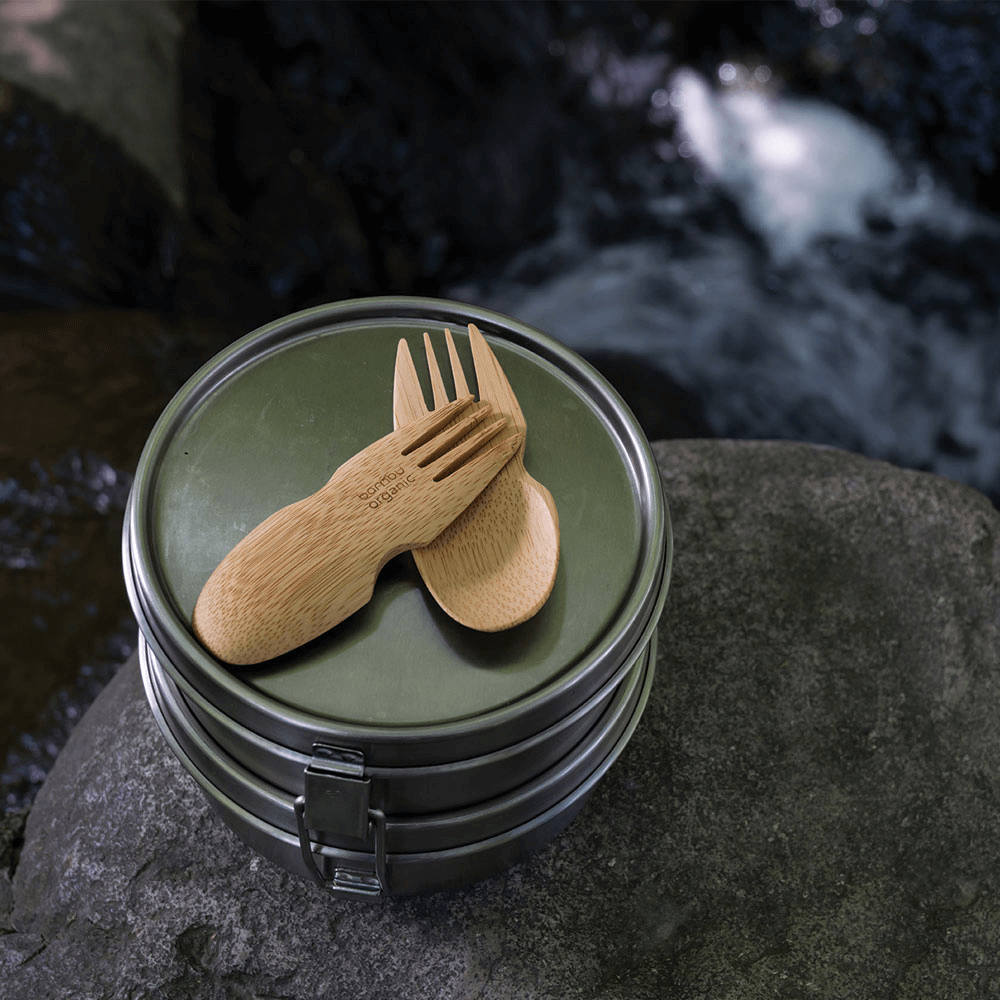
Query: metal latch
{"points": [[336, 796]]}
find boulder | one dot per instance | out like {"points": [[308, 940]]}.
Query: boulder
{"points": [[808, 807], [114, 65]]}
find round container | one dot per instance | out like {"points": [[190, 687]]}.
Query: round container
{"points": [[399, 734], [254, 811], [405, 833]]}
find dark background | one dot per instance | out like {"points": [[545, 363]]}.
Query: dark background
{"points": [[331, 151]]}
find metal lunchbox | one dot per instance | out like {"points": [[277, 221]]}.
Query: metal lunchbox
{"points": [[400, 752]]}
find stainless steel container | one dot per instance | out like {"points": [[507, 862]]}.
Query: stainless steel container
{"points": [[400, 752]]}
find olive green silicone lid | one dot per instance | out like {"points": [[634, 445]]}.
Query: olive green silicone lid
{"points": [[250, 439]]}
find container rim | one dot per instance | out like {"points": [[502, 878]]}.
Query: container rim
{"points": [[300, 759], [283, 847], [650, 579], [234, 778]]}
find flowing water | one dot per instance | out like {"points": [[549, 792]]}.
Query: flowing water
{"points": [[853, 301]]}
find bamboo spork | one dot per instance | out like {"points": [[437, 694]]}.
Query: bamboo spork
{"points": [[311, 564]]}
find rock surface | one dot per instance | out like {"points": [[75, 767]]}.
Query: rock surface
{"points": [[78, 55], [807, 809]]}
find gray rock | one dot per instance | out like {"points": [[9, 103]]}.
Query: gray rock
{"points": [[115, 64], [11, 838], [807, 809]]}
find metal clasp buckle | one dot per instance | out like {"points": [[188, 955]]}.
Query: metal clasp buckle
{"points": [[336, 798]]}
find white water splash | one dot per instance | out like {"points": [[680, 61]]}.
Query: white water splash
{"points": [[799, 169]]}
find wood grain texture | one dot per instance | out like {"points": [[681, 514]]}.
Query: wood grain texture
{"points": [[311, 564], [494, 566]]}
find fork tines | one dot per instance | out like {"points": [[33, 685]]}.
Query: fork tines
{"points": [[429, 426], [457, 457], [435, 442]]}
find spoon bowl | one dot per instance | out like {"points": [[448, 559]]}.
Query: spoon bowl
{"points": [[495, 565]]}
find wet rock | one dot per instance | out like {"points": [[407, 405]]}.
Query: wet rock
{"points": [[82, 390], [11, 840], [809, 800], [80, 221], [348, 149], [114, 65]]}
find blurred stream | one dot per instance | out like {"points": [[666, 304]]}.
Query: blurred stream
{"points": [[859, 311], [773, 220]]}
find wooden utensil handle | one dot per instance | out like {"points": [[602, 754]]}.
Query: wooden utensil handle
{"points": [[297, 574]]}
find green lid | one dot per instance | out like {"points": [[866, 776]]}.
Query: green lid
{"points": [[243, 439]]}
